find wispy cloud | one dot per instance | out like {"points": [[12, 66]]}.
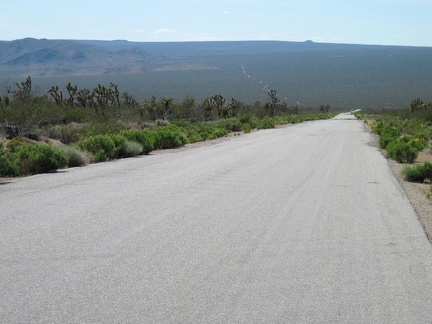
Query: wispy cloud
{"points": [[165, 31]]}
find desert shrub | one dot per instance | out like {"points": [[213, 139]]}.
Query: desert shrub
{"points": [[67, 134], [198, 132], [39, 158], [418, 173], [248, 119], [15, 143], [169, 137], [32, 135], [75, 156], [401, 151], [161, 122], [418, 143], [381, 128], [7, 163], [384, 140], [280, 120], [119, 142], [421, 134], [103, 129], [181, 123], [266, 123], [131, 148], [102, 146], [76, 115], [70, 134], [405, 149], [144, 137], [210, 133], [231, 124], [387, 134], [247, 128], [194, 137]]}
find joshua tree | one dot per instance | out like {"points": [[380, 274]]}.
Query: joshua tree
{"points": [[129, 100], [115, 93], [166, 107], [101, 98], [54, 92], [272, 105], [72, 90], [83, 97], [24, 90], [218, 101]]}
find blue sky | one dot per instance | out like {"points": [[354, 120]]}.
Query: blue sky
{"points": [[385, 22]]}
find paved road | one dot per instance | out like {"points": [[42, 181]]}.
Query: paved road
{"points": [[304, 224]]}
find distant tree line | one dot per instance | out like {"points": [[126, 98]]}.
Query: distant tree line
{"points": [[26, 110]]}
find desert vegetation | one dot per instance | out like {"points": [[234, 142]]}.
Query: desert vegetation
{"points": [[76, 126], [404, 134]]}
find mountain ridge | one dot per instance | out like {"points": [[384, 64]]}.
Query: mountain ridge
{"points": [[43, 57], [312, 73]]}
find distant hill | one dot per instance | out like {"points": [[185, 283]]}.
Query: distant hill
{"points": [[341, 75], [65, 57]]}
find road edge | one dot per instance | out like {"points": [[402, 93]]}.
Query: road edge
{"points": [[416, 192]]}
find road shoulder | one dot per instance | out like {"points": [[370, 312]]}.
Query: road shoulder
{"points": [[416, 192]]}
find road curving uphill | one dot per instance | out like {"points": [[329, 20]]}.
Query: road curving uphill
{"points": [[305, 223]]}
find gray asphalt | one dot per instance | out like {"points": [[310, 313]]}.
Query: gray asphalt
{"points": [[303, 224]]}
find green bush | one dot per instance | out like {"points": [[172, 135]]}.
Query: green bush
{"points": [[401, 151], [248, 119], [8, 166], [194, 137], [69, 134], [39, 158], [247, 128], [384, 140], [387, 133], [74, 156], [15, 143], [418, 173], [102, 146], [131, 148], [266, 123], [167, 137], [383, 129], [230, 124], [101, 129], [210, 133], [144, 137]]}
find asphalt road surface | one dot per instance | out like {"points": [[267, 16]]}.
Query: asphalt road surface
{"points": [[304, 224]]}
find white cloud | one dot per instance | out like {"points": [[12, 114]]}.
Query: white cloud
{"points": [[139, 30], [165, 31], [227, 12]]}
